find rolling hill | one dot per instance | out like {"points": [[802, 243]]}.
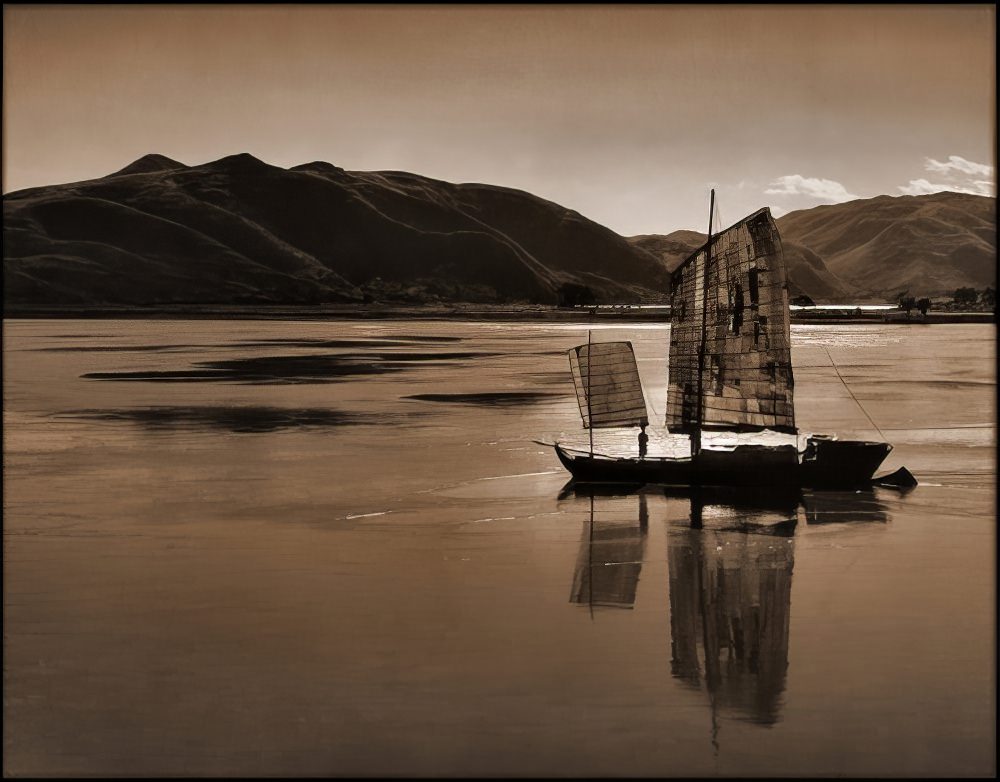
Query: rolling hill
{"points": [[240, 231], [928, 244], [875, 248], [807, 274]]}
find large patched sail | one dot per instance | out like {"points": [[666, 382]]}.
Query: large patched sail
{"points": [[738, 310], [607, 385]]}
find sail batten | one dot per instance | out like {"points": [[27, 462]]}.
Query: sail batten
{"points": [[607, 383], [742, 324]]}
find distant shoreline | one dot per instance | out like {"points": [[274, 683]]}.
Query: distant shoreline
{"points": [[483, 312]]}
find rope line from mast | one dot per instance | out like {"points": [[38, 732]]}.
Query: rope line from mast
{"points": [[849, 391]]}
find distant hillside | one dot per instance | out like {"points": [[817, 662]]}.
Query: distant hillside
{"points": [[929, 245], [239, 231], [671, 248], [874, 248], [807, 274]]}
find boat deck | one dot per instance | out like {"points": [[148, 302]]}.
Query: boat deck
{"points": [[663, 444]]}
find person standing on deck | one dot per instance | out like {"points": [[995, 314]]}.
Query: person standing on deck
{"points": [[643, 441]]}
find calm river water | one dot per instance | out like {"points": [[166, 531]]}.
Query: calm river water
{"points": [[308, 548]]}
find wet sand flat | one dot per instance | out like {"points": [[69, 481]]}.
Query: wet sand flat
{"points": [[332, 548]]}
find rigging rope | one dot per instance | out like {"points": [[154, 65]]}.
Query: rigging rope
{"points": [[835, 369]]}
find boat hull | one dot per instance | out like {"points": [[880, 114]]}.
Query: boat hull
{"points": [[827, 464], [837, 464]]}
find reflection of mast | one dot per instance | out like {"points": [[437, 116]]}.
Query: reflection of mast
{"points": [[610, 561], [730, 601], [590, 531], [711, 661]]}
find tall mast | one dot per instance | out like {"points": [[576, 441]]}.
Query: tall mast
{"points": [[696, 433], [590, 409]]}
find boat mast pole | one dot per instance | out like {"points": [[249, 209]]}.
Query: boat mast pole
{"points": [[696, 433], [590, 414]]}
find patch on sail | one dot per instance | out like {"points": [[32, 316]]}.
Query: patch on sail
{"points": [[609, 371], [741, 306]]}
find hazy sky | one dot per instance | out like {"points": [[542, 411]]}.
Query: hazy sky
{"points": [[628, 114]]}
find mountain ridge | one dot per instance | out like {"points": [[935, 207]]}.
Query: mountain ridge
{"points": [[239, 230], [875, 248], [927, 245]]}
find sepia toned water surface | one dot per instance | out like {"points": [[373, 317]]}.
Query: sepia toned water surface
{"points": [[308, 548]]}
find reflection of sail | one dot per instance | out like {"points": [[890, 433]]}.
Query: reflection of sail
{"points": [[610, 560], [730, 599]]}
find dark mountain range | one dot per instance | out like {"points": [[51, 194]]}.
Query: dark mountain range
{"points": [[149, 164], [239, 231]]}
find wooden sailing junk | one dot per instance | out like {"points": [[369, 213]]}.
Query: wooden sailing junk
{"points": [[730, 370]]}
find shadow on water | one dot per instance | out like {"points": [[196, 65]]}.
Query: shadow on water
{"points": [[368, 342], [491, 399], [116, 348], [304, 342], [730, 581], [238, 419], [289, 368]]}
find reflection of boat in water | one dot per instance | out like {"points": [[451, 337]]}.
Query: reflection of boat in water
{"points": [[730, 371], [730, 580], [731, 592], [842, 507], [773, 510], [730, 606], [610, 560], [778, 512]]}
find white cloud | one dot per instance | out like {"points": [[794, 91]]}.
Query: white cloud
{"points": [[959, 175], [957, 165], [982, 187], [778, 211], [823, 189], [920, 187]]}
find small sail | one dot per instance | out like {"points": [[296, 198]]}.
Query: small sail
{"points": [[609, 371], [740, 309]]}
